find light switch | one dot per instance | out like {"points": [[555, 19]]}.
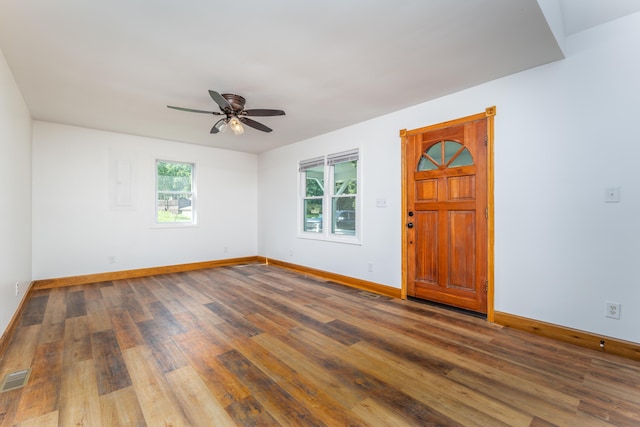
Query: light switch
{"points": [[381, 202], [612, 195]]}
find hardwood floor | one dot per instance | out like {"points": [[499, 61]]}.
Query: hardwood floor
{"points": [[259, 345]]}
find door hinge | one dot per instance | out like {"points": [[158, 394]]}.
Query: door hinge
{"points": [[485, 140], [486, 213], [486, 286]]}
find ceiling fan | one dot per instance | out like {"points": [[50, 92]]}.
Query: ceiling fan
{"points": [[232, 107]]}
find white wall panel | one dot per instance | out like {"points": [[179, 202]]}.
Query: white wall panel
{"points": [[15, 200], [81, 218]]}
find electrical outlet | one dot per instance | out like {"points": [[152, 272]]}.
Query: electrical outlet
{"points": [[612, 310], [111, 259], [612, 195], [370, 267], [17, 288]]}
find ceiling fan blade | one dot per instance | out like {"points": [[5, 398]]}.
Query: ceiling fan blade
{"points": [[261, 112], [223, 103], [255, 124], [191, 110]]}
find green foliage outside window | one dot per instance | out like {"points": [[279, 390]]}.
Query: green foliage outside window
{"points": [[174, 192], [174, 176]]}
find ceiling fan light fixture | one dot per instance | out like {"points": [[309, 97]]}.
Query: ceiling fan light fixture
{"points": [[236, 126], [221, 125]]}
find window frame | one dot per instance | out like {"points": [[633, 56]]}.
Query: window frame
{"points": [[303, 168], [192, 193], [329, 161]]}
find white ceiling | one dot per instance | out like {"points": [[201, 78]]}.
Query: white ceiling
{"points": [[579, 15], [115, 65]]}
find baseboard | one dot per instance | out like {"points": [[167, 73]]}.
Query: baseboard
{"points": [[590, 340], [338, 278], [141, 272], [152, 271], [13, 323]]}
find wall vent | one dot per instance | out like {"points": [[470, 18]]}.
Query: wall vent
{"points": [[15, 380]]}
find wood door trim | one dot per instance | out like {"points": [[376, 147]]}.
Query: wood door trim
{"points": [[488, 114], [450, 123]]}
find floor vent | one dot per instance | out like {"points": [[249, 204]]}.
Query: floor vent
{"points": [[369, 295], [15, 380]]}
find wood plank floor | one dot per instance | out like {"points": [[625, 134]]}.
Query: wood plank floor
{"points": [[257, 345]]}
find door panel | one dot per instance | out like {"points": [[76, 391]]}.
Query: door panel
{"points": [[446, 202], [462, 187], [427, 190], [427, 244], [462, 250]]}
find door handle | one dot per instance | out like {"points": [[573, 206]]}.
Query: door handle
{"points": [[410, 225]]}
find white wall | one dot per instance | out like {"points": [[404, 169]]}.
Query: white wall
{"points": [[15, 212], [278, 188], [564, 133], [77, 227]]}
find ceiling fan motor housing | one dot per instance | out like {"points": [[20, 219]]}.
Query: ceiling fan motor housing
{"points": [[236, 101]]}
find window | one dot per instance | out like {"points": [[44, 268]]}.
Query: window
{"points": [[343, 168], [175, 193], [445, 154], [330, 202], [313, 198]]}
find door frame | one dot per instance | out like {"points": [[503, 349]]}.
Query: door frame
{"points": [[489, 114]]}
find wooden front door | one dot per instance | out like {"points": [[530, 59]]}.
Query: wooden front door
{"points": [[446, 213]]}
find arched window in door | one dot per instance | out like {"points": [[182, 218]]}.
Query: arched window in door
{"points": [[443, 155]]}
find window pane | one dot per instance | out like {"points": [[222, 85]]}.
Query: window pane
{"points": [[174, 207], [314, 182], [435, 152], [174, 176], [174, 192], [313, 215], [464, 159], [426, 165], [345, 178], [450, 149], [344, 215]]}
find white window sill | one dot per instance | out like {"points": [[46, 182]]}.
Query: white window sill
{"points": [[350, 240], [173, 225]]}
